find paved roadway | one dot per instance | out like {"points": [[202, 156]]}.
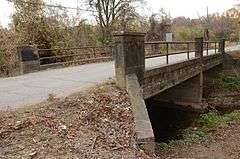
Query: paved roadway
{"points": [[35, 87]]}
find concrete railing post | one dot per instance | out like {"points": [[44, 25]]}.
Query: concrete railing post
{"points": [[29, 59], [129, 56], [222, 46], [199, 47]]}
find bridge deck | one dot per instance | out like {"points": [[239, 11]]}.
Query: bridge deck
{"points": [[35, 87]]}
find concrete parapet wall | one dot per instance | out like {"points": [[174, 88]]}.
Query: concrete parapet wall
{"points": [[29, 66], [212, 61], [160, 79]]}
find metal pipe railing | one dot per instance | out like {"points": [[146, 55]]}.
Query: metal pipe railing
{"points": [[207, 46]]}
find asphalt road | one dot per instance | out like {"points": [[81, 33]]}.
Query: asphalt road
{"points": [[35, 87]]}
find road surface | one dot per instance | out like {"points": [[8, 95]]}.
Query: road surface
{"points": [[35, 87]]}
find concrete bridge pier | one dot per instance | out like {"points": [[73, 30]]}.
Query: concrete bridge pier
{"points": [[129, 57]]}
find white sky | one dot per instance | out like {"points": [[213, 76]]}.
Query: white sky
{"points": [[188, 8]]}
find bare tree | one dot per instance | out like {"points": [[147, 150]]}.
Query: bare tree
{"points": [[109, 12]]}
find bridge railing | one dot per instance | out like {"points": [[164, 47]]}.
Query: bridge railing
{"points": [[165, 49], [70, 56], [169, 48], [211, 45]]}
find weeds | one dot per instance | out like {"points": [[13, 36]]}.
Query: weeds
{"points": [[163, 145], [215, 120], [229, 83], [211, 120], [206, 124]]}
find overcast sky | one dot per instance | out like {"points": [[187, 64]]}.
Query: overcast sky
{"points": [[188, 8]]}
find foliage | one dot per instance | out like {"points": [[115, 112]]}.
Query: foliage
{"points": [[112, 15], [8, 51], [216, 120], [223, 27], [52, 27], [188, 33], [231, 83], [211, 120], [228, 83], [159, 25], [163, 145], [29, 23]]}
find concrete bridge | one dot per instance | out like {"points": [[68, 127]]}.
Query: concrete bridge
{"points": [[176, 78], [179, 83]]}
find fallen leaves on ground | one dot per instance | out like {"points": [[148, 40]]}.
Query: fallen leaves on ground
{"points": [[92, 124]]}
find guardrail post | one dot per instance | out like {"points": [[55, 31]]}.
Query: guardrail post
{"points": [[221, 48], [129, 56], [199, 47], [29, 59]]}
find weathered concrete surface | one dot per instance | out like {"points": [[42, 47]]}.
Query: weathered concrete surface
{"points": [[188, 93], [35, 87], [160, 79], [29, 59], [142, 122], [129, 56]]}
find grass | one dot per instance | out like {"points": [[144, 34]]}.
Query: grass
{"points": [[228, 83], [231, 82], [206, 124], [215, 120]]}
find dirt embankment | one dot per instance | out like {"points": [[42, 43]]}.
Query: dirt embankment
{"points": [[93, 124], [221, 144]]}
